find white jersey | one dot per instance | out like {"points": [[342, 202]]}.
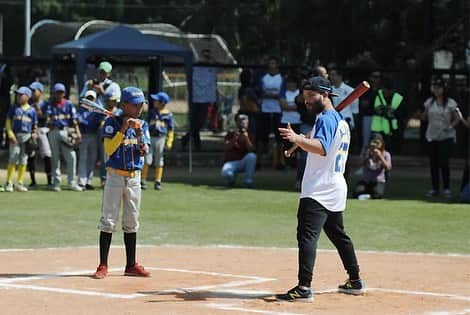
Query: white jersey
{"points": [[323, 177]]}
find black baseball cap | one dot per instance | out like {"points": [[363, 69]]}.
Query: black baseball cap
{"points": [[439, 82], [319, 84]]}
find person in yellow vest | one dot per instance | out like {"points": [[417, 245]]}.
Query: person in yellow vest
{"points": [[387, 104]]}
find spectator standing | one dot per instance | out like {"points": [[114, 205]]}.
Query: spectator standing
{"points": [[204, 93], [271, 87], [64, 135], [342, 90], [239, 153], [89, 123], [44, 149], [290, 114], [21, 126], [442, 117], [387, 112], [102, 84]]}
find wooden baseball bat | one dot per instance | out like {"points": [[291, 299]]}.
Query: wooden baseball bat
{"points": [[363, 87]]}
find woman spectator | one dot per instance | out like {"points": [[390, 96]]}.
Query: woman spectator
{"points": [[440, 113], [375, 162]]}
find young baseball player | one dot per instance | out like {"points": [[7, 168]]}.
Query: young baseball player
{"points": [[126, 141], [90, 123], [324, 191], [161, 130], [62, 116], [21, 125], [44, 149]]}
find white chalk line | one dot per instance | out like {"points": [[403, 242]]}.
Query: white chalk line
{"points": [[6, 250], [232, 307], [422, 293], [72, 291], [250, 280]]}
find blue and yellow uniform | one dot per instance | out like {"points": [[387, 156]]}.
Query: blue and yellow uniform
{"points": [[126, 150], [88, 121], [123, 149], [21, 122], [22, 119], [161, 123], [61, 115], [161, 127]]}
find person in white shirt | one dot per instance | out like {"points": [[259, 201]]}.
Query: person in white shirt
{"points": [[343, 90], [271, 88], [102, 84], [290, 114], [324, 192], [349, 113]]}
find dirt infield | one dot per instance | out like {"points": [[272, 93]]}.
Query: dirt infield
{"points": [[220, 280]]}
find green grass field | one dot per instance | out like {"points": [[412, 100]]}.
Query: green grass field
{"points": [[201, 211]]}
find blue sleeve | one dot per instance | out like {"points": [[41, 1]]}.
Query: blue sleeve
{"points": [[110, 128], [325, 130], [145, 133]]}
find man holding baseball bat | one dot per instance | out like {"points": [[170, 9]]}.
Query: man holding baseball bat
{"points": [[324, 191]]}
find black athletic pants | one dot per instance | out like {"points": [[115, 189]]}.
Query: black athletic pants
{"points": [[439, 157], [311, 218]]}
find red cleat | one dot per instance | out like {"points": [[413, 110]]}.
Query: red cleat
{"points": [[101, 272], [137, 271]]}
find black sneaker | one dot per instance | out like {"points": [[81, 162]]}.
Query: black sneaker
{"points": [[157, 186], [143, 185], [89, 187], [32, 186], [353, 287], [296, 295]]}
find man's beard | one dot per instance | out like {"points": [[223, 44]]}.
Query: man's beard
{"points": [[316, 107]]}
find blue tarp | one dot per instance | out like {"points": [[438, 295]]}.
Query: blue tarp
{"points": [[122, 41]]}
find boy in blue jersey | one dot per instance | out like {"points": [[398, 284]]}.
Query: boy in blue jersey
{"points": [[44, 149], [90, 123], [161, 128], [126, 141], [61, 119], [21, 125]]}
